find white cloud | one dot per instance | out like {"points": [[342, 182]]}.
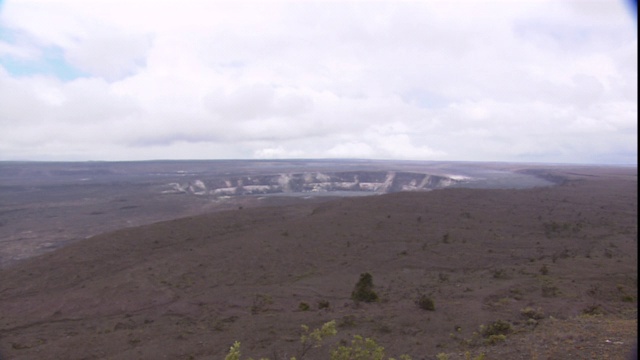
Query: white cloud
{"points": [[351, 150], [110, 57], [277, 152], [536, 81]]}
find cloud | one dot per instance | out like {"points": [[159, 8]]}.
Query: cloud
{"points": [[351, 150], [277, 152], [110, 57], [537, 81]]}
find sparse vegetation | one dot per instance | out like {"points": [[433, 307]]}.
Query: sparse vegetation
{"points": [[234, 352], [446, 238], [550, 291], [260, 303], [593, 310], [498, 327], [516, 293], [544, 270], [531, 313], [426, 303], [323, 304], [500, 274], [314, 338], [347, 321], [467, 356], [494, 339], [181, 280], [360, 348], [628, 298]]}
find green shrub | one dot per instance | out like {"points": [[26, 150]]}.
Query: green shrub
{"points": [[628, 298], [467, 356], [494, 339], [234, 352], [303, 306], [359, 349], [531, 313], [363, 290], [311, 339], [362, 349], [495, 332], [496, 328]]}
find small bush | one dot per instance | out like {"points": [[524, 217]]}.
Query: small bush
{"points": [[314, 338], [467, 356], [260, 303], [303, 306], [516, 294], [549, 290], [496, 328], [347, 321], [494, 339], [323, 304], [363, 290], [544, 270], [531, 313], [593, 310], [362, 349], [359, 349], [234, 352], [500, 274], [426, 303], [628, 298]]}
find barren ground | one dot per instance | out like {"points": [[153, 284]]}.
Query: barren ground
{"points": [[188, 288]]}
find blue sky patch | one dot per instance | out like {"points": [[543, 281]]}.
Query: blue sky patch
{"points": [[51, 63]]}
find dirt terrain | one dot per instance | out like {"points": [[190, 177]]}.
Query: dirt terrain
{"points": [[554, 269], [45, 206]]}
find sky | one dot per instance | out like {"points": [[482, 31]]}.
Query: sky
{"points": [[519, 81]]}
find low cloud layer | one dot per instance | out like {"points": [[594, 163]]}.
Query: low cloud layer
{"points": [[539, 81]]}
